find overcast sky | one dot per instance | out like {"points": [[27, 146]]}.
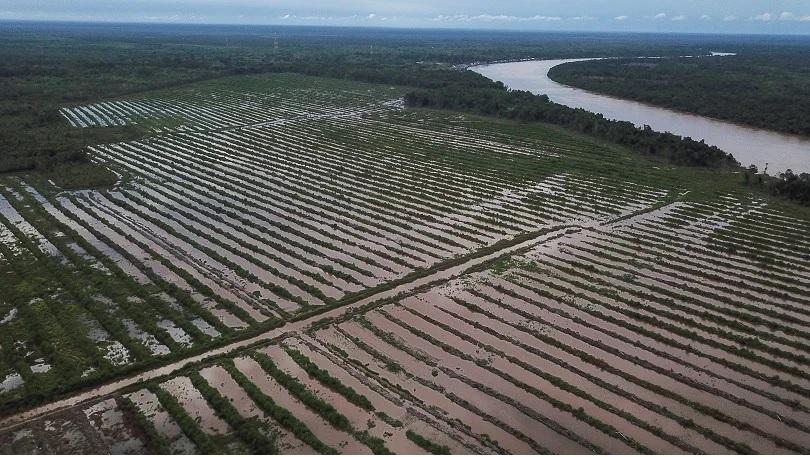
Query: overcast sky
{"points": [[728, 16]]}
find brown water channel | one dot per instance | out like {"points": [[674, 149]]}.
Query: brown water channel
{"points": [[748, 145]]}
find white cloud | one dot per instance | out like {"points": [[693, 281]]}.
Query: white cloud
{"points": [[789, 16], [492, 18], [478, 18], [495, 18], [734, 15], [679, 18], [540, 18]]}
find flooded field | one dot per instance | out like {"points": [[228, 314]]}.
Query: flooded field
{"points": [[608, 309]]}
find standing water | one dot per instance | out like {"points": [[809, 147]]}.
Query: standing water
{"points": [[748, 145]]}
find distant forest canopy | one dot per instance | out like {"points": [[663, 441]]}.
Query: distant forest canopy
{"points": [[767, 90], [45, 66]]}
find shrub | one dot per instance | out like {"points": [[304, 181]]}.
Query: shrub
{"points": [[426, 444]]}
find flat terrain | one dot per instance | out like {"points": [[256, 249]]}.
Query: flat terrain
{"points": [[419, 281]]}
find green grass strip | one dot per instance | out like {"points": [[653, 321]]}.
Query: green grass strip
{"points": [[426, 444]]}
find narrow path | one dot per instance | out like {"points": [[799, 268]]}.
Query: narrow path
{"points": [[447, 270], [411, 284]]}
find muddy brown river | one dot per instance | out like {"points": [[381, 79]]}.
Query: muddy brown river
{"points": [[748, 145]]}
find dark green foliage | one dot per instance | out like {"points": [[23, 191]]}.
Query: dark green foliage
{"points": [[281, 415], [189, 426], [313, 402], [155, 441], [427, 77], [250, 431], [80, 175], [325, 410], [388, 419], [527, 107], [329, 381], [44, 67], [426, 444], [786, 185], [377, 445], [768, 89]]}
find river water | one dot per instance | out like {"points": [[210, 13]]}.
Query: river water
{"points": [[748, 145]]}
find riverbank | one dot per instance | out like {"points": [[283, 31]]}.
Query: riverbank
{"points": [[776, 151]]}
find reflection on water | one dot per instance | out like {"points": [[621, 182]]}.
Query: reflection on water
{"points": [[749, 145]]}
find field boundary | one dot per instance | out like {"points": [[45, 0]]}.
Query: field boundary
{"points": [[358, 303]]}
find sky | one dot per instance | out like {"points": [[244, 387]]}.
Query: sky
{"points": [[697, 16]]}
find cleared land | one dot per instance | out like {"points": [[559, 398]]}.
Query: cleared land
{"points": [[642, 313]]}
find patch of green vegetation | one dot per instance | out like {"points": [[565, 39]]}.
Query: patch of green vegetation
{"points": [[155, 442], [187, 424], [250, 432], [80, 175], [524, 106], [312, 401], [329, 381], [281, 415], [315, 403], [508, 263], [426, 444], [388, 419]]}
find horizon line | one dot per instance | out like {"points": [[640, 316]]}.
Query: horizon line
{"points": [[395, 27]]}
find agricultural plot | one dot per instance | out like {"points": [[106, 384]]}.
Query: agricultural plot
{"points": [[233, 102], [255, 200], [634, 317], [674, 331]]}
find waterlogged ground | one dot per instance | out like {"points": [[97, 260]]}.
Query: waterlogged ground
{"points": [[638, 313]]}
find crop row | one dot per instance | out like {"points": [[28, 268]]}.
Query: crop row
{"points": [[216, 105], [78, 307], [270, 401]]}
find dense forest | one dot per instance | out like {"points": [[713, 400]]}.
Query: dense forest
{"points": [[768, 89], [47, 66], [527, 107]]}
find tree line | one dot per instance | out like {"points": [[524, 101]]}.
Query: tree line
{"points": [[37, 77], [45, 66], [524, 106], [766, 90], [787, 185]]}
